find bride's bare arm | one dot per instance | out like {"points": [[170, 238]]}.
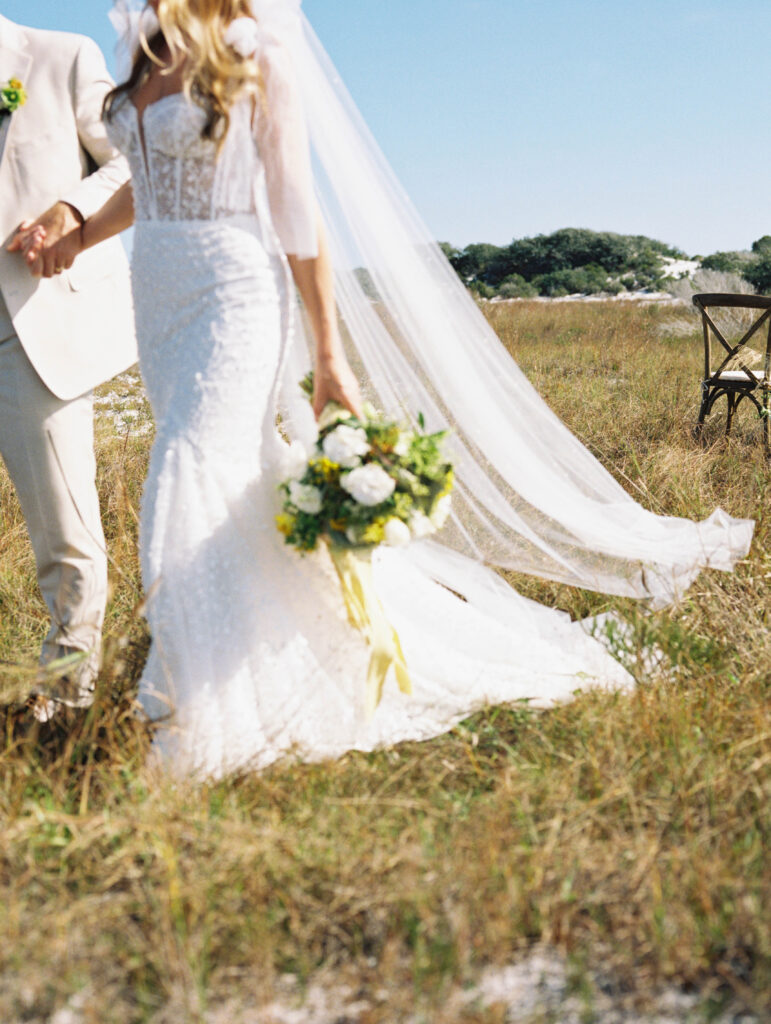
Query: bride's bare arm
{"points": [[115, 216], [333, 378]]}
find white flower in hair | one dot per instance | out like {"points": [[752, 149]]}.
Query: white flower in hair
{"points": [[243, 35]]}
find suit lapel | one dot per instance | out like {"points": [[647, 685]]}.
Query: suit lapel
{"points": [[15, 62]]}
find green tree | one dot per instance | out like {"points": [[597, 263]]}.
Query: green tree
{"points": [[474, 261], [516, 287], [536, 259], [647, 269], [572, 248], [484, 291], [726, 262], [758, 273], [587, 280], [449, 251]]}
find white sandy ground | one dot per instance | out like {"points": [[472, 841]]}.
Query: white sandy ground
{"points": [[679, 268], [660, 298], [124, 405], [537, 988]]}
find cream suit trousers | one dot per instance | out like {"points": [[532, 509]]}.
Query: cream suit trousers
{"points": [[47, 446]]}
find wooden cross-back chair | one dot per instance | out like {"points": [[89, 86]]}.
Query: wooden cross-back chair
{"points": [[733, 376]]}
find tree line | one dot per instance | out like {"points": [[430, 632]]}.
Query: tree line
{"points": [[577, 260]]}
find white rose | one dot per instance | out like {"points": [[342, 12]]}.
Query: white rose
{"points": [[369, 485], [345, 445], [294, 460], [243, 35], [420, 525], [441, 511], [396, 533], [305, 497]]}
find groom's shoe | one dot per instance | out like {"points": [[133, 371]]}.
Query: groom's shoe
{"points": [[68, 679]]}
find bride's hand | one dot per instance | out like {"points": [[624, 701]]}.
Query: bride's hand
{"points": [[334, 381]]}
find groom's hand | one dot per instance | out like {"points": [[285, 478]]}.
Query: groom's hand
{"points": [[50, 243]]}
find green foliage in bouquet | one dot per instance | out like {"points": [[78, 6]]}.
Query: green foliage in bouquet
{"points": [[366, 482]]}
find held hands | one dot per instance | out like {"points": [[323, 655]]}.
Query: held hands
{"points": [[49, 244]]}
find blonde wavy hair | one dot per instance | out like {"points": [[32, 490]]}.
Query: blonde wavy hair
{"points": [[214, 74]]}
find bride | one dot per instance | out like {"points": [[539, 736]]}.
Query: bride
{"points": [[253, 179]]}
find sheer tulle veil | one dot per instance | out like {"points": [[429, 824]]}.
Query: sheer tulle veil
{"points": [[529, 496]]}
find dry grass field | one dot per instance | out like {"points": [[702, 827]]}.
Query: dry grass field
{"points": [[626, 835]]}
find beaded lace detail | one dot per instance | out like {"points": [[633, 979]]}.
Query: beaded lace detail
{"points": [[176, 173]]}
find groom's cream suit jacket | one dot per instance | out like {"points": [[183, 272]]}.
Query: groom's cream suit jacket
{"points": [[77, 328]]}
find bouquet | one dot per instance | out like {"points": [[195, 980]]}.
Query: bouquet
{"points": [[366, 482]]}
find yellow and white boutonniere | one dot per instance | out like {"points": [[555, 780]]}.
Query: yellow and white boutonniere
{"points": [[12, 96]]}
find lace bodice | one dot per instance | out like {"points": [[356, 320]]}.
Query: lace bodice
{"points": [[174, 170], [262, 168]]}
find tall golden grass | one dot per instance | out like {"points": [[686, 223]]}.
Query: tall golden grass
{"points": [[629, 832]]}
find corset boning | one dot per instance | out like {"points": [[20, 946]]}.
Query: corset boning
{"points": [[176, 173]]}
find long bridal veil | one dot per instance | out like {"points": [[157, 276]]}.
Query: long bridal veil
{"points": [[529, 496]]}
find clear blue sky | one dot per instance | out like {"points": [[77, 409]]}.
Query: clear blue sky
{"points": [[506, 118]]}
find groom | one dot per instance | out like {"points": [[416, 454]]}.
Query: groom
{"points": [[61, 331]]}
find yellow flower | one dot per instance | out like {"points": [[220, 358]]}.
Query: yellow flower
{"points": [[338, 524], [15, 84], [325, 468], [374, 533], [285, 523]]}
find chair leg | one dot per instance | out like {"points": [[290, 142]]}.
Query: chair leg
{"points": [[698, 430], [731, 399]]}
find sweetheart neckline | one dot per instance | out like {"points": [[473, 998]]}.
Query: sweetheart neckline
{"points": [[169, 96]]}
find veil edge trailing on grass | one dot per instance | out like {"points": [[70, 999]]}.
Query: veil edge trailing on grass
{"points": [[529, 496]]}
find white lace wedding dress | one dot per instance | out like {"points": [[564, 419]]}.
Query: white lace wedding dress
{"points": [[252, 656]]}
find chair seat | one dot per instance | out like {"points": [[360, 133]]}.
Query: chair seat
{"points": [[738, 375]]}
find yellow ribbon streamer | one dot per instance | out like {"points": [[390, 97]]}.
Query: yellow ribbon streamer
{"points": [[366, 613]]}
